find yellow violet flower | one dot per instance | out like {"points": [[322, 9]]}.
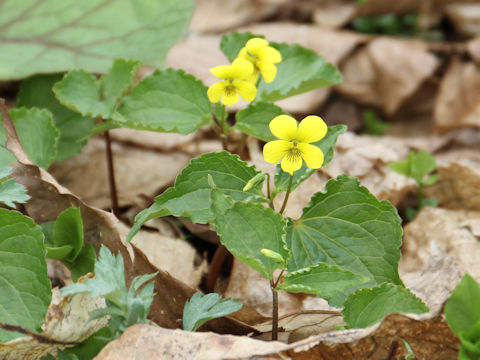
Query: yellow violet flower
{"points": [[235, 81], [263, 58], [295, 142]]}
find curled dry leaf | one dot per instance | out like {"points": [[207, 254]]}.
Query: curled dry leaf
{"points": [[465, 17], [454, 232], [387, 72], [458, 100], [458, 186], [430, 339], [149, 342], [66, 323]]}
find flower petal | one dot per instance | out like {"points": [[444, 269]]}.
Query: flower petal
{"points": [[222, 71], [273, 151], [268, 70], [241, 69], [292, 161], [269, 54], [230, 96], [284, 127], [311, 129], [215, 91], [312, 155], [255, 44], [246, 89]]}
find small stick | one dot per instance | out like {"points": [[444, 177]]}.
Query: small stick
{"points": [[111, 175]]}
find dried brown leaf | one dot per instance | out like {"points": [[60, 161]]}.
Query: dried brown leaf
{"points": [[458, 101]]}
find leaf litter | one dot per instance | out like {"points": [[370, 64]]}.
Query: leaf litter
{"points": [[384, 73]]}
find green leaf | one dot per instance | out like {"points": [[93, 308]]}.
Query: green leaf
{"points": [[254, 120], [75, 129], [82, 92], [167, 101], [58, 252], [232, 43], [24, 283], [38, 134], [300, 71], [109, 280], [416, 166], [10, 191], [91, 346], [282, 178], [369, 306], [60, 35], [462, 309], [373, 124], [190, 196], [345, 225], [323, 280], [84, 262], [202, 308], [69, 231], [246, 229]]}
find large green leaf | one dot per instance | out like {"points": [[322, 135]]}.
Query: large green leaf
{"points": [[168, 101], [24, 285], [282, 178], [300, 71], [82, 92], [39, 36], [462, 309], [190, 197], [368, 306], [74, 128], [254, 120], [323, 280], [38, 134], [345, 225], [246, 228]]}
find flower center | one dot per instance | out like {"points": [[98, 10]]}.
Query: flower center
{"points": [[294, 154], [230, 90]]}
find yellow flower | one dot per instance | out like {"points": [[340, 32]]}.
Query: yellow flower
{"points": [[235, 81], [295, 142], [263, 58]]}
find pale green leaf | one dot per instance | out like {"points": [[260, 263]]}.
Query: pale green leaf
{"points": [[168, 101], [10, 191], [246, 229], [190, 197], [38, 134], [75, 129], [323, 280], [369, 306], [254, 120], [326, 144], [60, 35], [24, 284], [300, 71], [345, 225], [68, 231], [82, 92], [202, 308], [462, 309]]}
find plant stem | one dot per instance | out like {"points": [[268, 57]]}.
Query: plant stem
{"points": [[274, 311], [268, 192], [287, 195], [215, 267], [111, 175], [223, 136]]}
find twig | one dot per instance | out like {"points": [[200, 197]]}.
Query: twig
{"points": [[111, 175]]}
